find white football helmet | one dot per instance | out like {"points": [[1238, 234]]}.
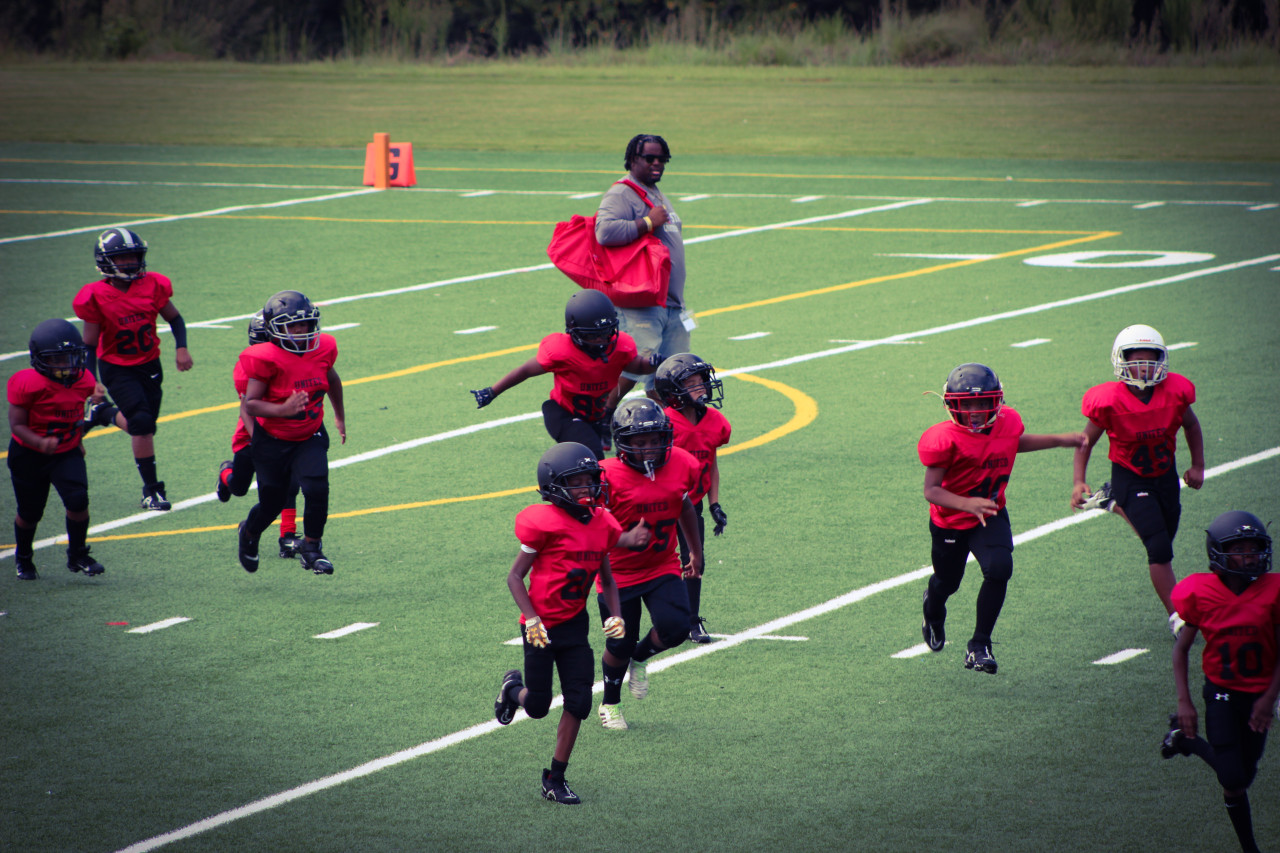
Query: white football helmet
{"points": [[1139, 373]]}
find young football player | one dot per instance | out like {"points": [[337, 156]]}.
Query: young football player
{"points": [[586, 359], [563, 547], [288, 380], [119, 313], [692, 394], [1141, 414], [967, 461], [1237, 607], [649, 486], [236, 474], [46, 412]]}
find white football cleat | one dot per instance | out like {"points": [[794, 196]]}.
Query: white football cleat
{"points": [[638, 679], [1100, 499], [611, 717], [1176, 624]]}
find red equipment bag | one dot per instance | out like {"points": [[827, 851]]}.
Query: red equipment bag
{"points": [[632, 276]]}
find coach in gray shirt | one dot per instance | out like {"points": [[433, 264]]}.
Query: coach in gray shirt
{"points": [[623, 218]]}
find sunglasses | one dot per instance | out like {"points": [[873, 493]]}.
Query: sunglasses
{"points": [[655, 158]]}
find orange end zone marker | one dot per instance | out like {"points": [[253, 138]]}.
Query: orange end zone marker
{"points": [[388, 164]]}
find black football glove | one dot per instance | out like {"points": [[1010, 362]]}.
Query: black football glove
{"points": [[720, 518], [656, 358], [483, 397]]}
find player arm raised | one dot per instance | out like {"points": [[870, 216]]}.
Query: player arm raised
{"points": [[688, 522], [528, 370], [179, 328], [1194, 475], [1080, 464], [981, 508], [335, 397]]}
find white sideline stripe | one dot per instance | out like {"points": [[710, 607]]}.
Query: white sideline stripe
{"points": [[478, 194], [1263, 207], [805, 199], [1031, 343], [1033, 203], [759, 632], [581, 196], [751, 336], [1182, 346], [476, 330], [350, 629], [913, 652], [178, 217], [859, 345], [157, 626], [1120, 656], [698, 197], [938, 256], [1148, 205]]}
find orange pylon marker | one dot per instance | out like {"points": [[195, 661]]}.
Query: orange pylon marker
{"points": [[388, 164]]}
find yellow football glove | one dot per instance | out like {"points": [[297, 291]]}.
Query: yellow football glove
{"points": [[536, 633], [615, 628]]}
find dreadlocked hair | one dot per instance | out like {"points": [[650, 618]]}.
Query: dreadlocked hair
{"points": [[636, 145]]}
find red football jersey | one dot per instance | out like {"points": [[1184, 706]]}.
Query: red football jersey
{"points": [[1239, 630], [285, 372], [701, 439], [52, 408], [568, 559], [977, 464], [127, 318], [582, 383], [1141, 436], [240, 440], [633, 496]]}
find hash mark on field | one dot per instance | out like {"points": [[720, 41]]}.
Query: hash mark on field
{"points": [[350, 629], [1148, 205], [1185, 345], [805, 199], [1120, 656], [1034, 342], [751, 336], [915, 651], [581, 196], [475, 330], [478, 194], [156, 626], [695, 197], [1033, 203], [1263, 207]]}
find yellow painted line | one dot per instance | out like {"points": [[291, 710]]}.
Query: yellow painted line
{"points": [[806, 410], [1101, 235], [776, 175]]}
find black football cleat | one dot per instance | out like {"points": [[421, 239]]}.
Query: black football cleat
{"points": [[557, 790], [153, 498], [979, 658], [934, 630], [80, 561], [698, 631], [248, 548], [26, 567], [290, 546], [504, 707], [223, 491], [313, 559], [1175, 742]]}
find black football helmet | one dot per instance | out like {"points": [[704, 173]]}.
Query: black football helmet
{"points": [[286, 308], [112, 245], [258, 330], [669, 380], [973, 382], [638, 417], [58, 352], [557, 465], [1236, 526], [591, 322]]}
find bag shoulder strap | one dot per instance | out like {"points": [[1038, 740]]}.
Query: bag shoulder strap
{"points": [[644, 196]]}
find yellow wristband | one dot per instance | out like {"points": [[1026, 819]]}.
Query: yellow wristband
{"points": [[649, 222]]}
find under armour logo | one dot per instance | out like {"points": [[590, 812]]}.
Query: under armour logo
{"points": [[1222, 697]]}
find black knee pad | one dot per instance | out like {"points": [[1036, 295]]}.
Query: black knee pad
{"points": [[76, 501], [537, 703], [1159, 547], [1234, 777], [621, 648], [142, 423], [672, 635], [577, 703], [999, 565]]}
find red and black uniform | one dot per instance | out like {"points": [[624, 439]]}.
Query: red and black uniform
{"points": [[568, 557], [128, 351], [53, 409], [576, 410], [976, 465], [701, 439], [1239, 660], [294, 449], [1141, 443], [242, 454], [652, 574]]}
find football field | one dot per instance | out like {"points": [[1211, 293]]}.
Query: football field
{"points": [[176, 702]]}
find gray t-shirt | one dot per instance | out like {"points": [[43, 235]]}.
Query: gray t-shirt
{"points": [[616, 226]]}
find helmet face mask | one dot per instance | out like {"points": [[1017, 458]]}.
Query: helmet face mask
{"points": [[642, 435], [121, 256], [570, 477], [292, 322], [591, 322], [686, 380], [1144, 372], [1238, 545], [973, 395], [58, 351]]}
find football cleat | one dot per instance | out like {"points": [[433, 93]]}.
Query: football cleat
{"points": [[611, 717], [248, 549], [100, 414], [638, 679], [290, 545], [314, 559], [1175, 742], [26, 567], [1100, 499], [557, 790], [504, 707], [979, 658], [935, 633], [80, 561], [1176, 624], [698, 631], [153, 498], [223, 490]]}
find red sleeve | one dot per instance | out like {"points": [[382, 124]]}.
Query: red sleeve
{"points": [[528, 531], [85, 306], [934, 448]]}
